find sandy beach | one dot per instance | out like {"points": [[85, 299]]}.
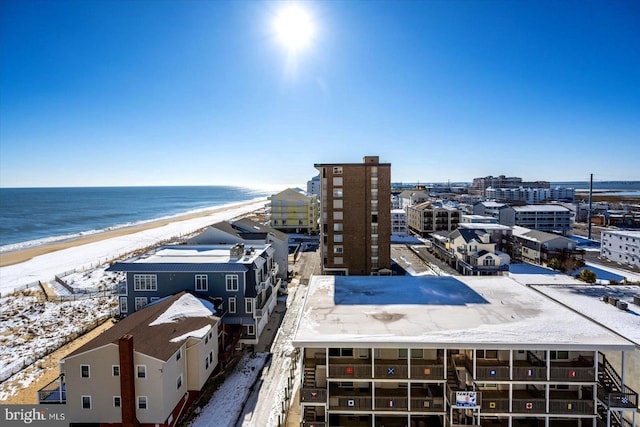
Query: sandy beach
{"points": [[16, 257]]}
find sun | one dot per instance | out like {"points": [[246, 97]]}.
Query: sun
{"points": [[294, 28]]}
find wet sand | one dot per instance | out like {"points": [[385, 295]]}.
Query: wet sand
{"points": [[16, 257]]}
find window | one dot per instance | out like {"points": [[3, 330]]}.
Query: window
{"points": [[338, 260], [341, 352], [86, 402], [115, 370], [206, 363], [179, 382], [337, 181], [338, 215], [489, 261], [201, 282], [249, 329], [337, 193], [232, 282], [337, 226], [337, 249], [140, 302], [84, 371], [145, 282], [560, 355], [337, 204], [486, 354], [179, 354], [337, 238], [142, 371], [117, 401], [337, 170], [123, 305], [248, 305], [232, 305], [142, 402]]}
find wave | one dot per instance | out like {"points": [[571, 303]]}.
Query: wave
{"points": [[72, 236]]}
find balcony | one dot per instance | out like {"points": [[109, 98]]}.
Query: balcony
{"points": [[313, 395], [391, 369], [571, 406], [492, 370], [573, 374], [426, 370], [53, 393], [349, 369], [351, 402]]}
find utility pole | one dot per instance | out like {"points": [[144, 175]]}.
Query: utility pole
{"points": [[590, 199]]}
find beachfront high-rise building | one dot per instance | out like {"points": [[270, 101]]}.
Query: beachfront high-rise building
{"points": [[355, 232]]}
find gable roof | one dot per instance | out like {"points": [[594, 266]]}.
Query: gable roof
{"points": [[179, 315], [247, 226], [468, 234]]}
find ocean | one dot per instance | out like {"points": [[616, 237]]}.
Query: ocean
{"points": [[35, 216]]}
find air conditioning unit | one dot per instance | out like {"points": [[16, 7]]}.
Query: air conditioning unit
{"points": [[636, 299], [622, 305]]}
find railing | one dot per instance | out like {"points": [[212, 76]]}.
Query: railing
{"points": [[537, 406], [435, 372], [492, 372], [495, 405], [354, 370], [571, 374], [526, 373], [313, 395], [385, 370], [354, 403], [427, 404], [574, 406], [53, 393], [623, 400], [391, 404]]}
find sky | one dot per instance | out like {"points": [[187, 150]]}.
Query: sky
{"points": [[197, 92]]}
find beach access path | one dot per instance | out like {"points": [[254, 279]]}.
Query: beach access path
{"points": [[22, 268]]}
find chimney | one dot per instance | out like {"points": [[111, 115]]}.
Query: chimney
{"points": [[127, 382]]}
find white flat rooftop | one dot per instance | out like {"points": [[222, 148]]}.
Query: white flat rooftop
{"points": [[442, 312], [586, 300], [197, 254]]}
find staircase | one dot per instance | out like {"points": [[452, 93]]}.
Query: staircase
{"points": [[613, 396], [309, 377], [452, 376]]}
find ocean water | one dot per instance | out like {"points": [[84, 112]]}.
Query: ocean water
{"points": [[33, 216], [632, 187]]}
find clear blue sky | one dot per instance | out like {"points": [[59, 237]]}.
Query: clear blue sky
{"points": [[168, 92]]}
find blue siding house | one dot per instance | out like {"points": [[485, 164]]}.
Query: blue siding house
{"points": [[245, 278]]}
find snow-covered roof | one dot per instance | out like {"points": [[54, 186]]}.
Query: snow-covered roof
{"points": [[540, 208], [484, 226], [624, 233], [586, 299], [442, 312], [160, 328]]}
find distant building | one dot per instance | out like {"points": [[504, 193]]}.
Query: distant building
{"points": [[479, 185], [356, 217], [550, 217], [313, 185], [399, 222], [412, 197], [294, 211], [145, 370], [249, 233], [471, 252], [430, 217], [621, 246], [529, 195], [478, 219], [243, 277], [453, 351], [538, 247]]}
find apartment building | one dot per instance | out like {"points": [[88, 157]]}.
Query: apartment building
{"points": [[294, 211], [313, 185], [355, 234], [244, 278], [408, 198], [145, 370], [529, 195], [479, 185], [543, 217], [538, 247], [430, 217], [621, 246], [399, 222], [452, 351], [250, 233]]}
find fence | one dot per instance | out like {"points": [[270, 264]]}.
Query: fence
{"points": [[19, 364], [289, 390], [20, 288]]}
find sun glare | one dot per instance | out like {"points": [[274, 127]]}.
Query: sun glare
{"points": [[294, 28]]}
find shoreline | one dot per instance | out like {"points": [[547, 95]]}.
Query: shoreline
{"points": [[22, 255]]}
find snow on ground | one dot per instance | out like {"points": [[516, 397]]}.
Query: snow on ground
{"points": [[33, 327], [45, 267], [225, 405], [630, 276]]}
